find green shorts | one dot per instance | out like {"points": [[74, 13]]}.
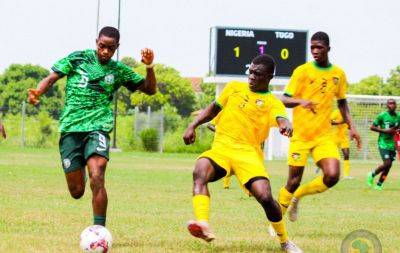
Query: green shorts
{"points": [[77, 147], [387, 154]]}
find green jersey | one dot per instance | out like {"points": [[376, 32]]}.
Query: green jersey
{"points": [[89, 90], [385, 120]]}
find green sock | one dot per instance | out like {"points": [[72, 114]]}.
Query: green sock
{"points": [[99, 220]]}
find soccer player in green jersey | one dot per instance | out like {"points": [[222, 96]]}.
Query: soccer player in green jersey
{"points": [[87, 119], [386, 125]]}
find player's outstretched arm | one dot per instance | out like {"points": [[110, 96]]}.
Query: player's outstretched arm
{"points": [[285, 127], [3, 130], [344, 110], [205, 115], [150, 83], [290, 102], [43, 86]]}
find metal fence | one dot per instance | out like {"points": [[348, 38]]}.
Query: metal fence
{"points": [[27, 129]]}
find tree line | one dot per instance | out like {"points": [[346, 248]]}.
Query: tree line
{"points": [[174, 92]]}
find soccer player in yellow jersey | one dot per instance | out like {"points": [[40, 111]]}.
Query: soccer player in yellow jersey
{"points": [[248, 112], [312, 89], [340, 131]]}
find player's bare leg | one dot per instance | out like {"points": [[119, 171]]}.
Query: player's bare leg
{"points": [[97, 168], [203, 173], [331, 172], [383, 168], [261, 190], [293, 182], [331, 169], [76, 183]]}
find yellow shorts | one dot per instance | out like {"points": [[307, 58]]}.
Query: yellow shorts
{"points": [[244, 161], [343, 142], [320, 148]]}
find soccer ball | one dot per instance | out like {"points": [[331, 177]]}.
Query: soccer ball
{"points": [[96, 238]]}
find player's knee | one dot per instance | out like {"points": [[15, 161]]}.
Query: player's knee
{"points": [[97, 181], [265, 199], [199, 175], [77, 191], [331, 178], [387, 164]]}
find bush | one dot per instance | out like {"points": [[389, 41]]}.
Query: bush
{"points": [[149, 139], [173, 142]]}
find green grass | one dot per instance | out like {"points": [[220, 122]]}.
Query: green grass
{"points": [[150, 203]]}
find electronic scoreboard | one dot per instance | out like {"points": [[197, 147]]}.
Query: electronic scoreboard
{"points": [[232, 49]]}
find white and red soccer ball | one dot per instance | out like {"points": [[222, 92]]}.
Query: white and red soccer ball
{"points": [[97, 239]]}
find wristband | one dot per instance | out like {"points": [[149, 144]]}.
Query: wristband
{"points": [[150, 66]]}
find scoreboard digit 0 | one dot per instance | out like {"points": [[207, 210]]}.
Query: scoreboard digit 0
{"points": [[234, 48]]}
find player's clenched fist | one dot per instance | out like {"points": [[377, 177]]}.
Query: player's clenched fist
{"points": [[147, 56], [285, 127], [189, 136], [33, 96]]}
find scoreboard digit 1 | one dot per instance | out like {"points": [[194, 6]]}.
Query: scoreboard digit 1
{"points": [[234, 48]]}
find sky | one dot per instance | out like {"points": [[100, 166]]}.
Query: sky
{"points": [[365, 37]]}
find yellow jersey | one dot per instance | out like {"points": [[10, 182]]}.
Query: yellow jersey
{"points": [[246, 116], [342, 130], [320, 85]]}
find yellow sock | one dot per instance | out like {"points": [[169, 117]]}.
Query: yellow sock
{"points": [[226, 181], [313, 187], [201, 206], [280, 230], [346, 168], [284, 199]]}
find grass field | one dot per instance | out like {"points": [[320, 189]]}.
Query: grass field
{"points": [[150, 202]]}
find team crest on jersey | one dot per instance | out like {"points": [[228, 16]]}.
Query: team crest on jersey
{"points": [[335, 80], [259, 102], [296, 156], [66, 163], [109, 79]]}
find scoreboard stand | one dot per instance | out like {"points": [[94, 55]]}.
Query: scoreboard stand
{"points": [[231, 52]]}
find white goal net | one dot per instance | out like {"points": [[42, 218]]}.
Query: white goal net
{"points": [[363, 109]]}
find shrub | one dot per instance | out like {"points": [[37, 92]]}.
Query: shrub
{"points": [[150, 139]]}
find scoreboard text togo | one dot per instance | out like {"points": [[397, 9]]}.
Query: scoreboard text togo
{"points": [[234, 48]]}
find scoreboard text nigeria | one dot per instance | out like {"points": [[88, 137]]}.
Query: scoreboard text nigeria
{"points": [[234, 48]]}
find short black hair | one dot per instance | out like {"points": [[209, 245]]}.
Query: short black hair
{"points": [[110, 32], [321, 36], [265, 60]]}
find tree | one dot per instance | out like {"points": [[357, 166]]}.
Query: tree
{"points": [[129, 61], [372, 85], [15, 82], [207, 94], [172, 89], [393, 82]]}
